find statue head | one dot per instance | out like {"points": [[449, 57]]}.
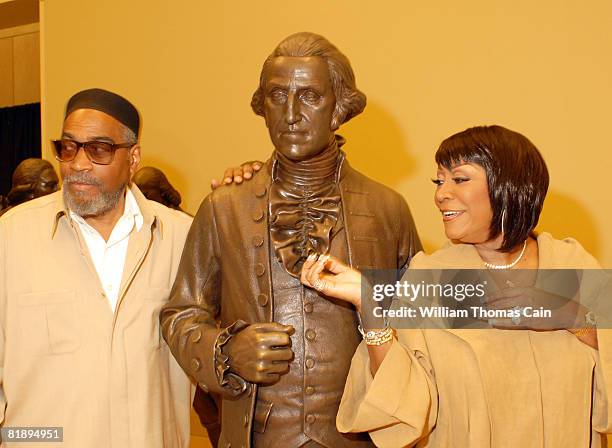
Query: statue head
{"points": [[31, 179], [155, 186], [306, 91]]}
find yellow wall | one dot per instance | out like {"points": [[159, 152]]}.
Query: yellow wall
{"points": [[429, 69]]}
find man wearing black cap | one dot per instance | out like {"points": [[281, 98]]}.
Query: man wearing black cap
{"points": [[83, 274]]}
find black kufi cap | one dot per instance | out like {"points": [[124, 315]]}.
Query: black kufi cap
{"points": [[108, 102]]}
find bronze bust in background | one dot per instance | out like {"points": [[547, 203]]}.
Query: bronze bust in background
{"points": [[282, 353], [156, 187], [32, 178]]}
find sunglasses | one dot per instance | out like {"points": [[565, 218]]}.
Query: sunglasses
{"points": [[101, 153]]}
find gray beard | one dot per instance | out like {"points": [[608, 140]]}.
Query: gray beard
{"points": [[99, 205]]}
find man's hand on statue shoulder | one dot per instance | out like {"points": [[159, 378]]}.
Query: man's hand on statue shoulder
{"points": [[261, 353], [237, 174]]}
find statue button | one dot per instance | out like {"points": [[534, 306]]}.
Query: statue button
{"points": [[310, 363], [262, 299], [260, 192], [311, 335], [260, 269], [257, 215], [309, 390], [245, 420], [196, 336], [310, 419], [257, 240], [308, 308], [195, 364], [204, 387]]}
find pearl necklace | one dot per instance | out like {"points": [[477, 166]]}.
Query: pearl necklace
{"points": [[507, 266]]}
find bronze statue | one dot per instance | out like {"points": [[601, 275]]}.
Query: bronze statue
{"points": [[32, 178], [155, 186], [282, 353]]}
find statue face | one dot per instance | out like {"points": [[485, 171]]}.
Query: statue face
{"points": [[299, 105]]}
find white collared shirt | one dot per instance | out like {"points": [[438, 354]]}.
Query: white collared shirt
{"points": [[109, 256]]}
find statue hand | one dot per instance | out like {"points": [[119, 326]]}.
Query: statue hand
{"points": [[261, 353], [237, 174], [333, 278]]}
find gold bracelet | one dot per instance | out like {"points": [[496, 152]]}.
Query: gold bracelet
{"points": [[584, 331], [377, 337], [591, 324]]}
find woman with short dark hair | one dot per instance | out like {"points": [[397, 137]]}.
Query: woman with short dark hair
{"points": [[480, 388], [517, 177]]}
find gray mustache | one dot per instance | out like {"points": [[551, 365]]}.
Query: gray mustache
{"points": [[82, 178]]}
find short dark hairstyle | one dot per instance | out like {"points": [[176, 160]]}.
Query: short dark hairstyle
{"points": [[349, 100], [517, 177]]}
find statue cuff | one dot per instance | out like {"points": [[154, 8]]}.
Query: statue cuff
{"points": [[232, 383]]}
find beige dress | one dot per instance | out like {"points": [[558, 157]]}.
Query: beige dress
{"points": [[484, 388]]}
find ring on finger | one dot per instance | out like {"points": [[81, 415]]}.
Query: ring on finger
{"points": [[319, 284], [518, 312]]}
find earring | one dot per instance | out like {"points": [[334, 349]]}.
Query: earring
{"points": [[503, 218]]}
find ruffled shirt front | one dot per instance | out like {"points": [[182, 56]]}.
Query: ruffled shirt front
{"points": [[305, 205]]}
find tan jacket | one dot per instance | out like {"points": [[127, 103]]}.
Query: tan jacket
{"points": [[65, 359], [225, 272], [484, 388]]}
